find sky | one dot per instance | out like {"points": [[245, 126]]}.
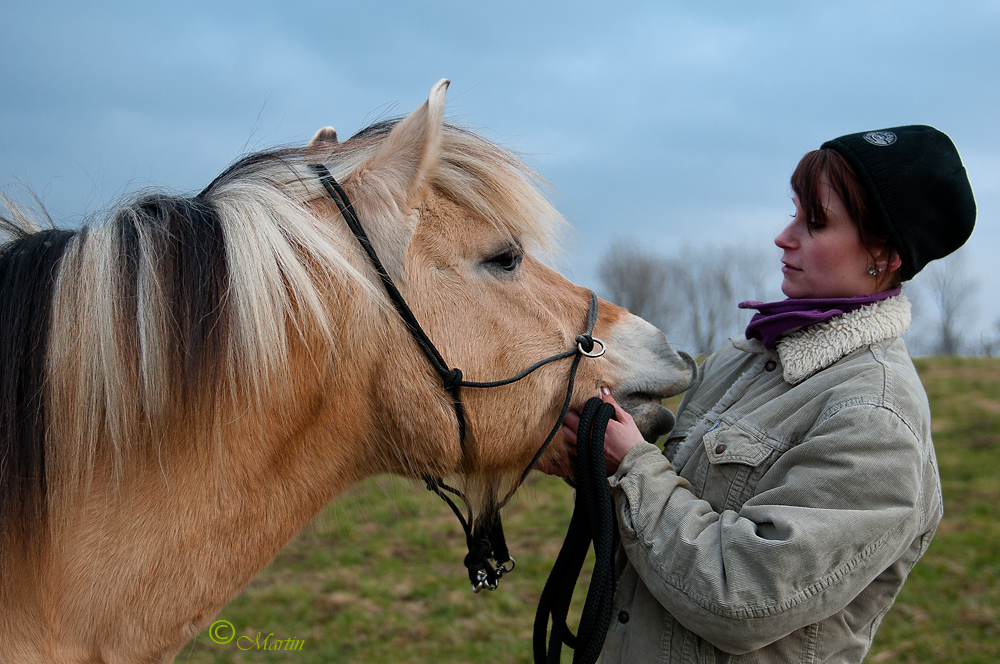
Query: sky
{"points": [[663, 123]]}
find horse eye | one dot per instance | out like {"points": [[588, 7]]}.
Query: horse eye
{"points": [[507, 261]]}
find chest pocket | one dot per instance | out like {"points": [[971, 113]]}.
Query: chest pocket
{"points": [[736, 460]]}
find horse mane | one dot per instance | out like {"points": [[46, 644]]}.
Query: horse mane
{"points": [[27, 265], [172, 304]]}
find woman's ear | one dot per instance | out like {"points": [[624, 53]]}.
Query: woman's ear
{"points": [[887, 260], [894, 262]]}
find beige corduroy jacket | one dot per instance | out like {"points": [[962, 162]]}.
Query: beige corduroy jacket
{"points": [[795, 494]]}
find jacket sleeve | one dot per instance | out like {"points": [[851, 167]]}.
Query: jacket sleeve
{"points": [[828, 517]]}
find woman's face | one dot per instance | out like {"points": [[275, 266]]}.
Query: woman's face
{"points": [[824, 260]]}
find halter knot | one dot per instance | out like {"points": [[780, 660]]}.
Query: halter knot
{"points": [[480, 551], [452, 379], [482, 574], [586, 342]]}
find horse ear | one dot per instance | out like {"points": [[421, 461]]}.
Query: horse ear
{"points": [[324, 135], [407, 156]]}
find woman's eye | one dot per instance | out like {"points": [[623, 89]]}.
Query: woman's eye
{"points": [[507, 261]]}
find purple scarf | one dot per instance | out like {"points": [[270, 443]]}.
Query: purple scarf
{"points": [[778, 318]]}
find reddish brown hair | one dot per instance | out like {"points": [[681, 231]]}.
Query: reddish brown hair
{"points": [[805, 183]]}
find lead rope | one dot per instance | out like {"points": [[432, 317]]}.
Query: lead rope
{"points": [[593, 521]]}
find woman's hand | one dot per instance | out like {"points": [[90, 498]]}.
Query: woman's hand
{"points": [[621, 436]]}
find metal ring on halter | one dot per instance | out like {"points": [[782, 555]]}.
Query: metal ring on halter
{"points": [[579, 347], [506, 567]]}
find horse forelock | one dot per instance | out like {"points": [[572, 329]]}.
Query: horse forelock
{"points": [[498, 186], [485, 178]]}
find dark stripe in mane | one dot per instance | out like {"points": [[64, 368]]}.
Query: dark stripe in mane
{"points": [[190, 266], [28, 268], [169, 269], [378, 129], [248, 164], [258, 161]]}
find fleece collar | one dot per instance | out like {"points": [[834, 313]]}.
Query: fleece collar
{"points": [[814, 348]]}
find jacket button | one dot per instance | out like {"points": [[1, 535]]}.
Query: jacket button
{"points": [[720, 448], [771, 365], [623, 616]]}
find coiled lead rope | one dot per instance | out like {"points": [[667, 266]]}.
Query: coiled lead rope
{"points": [[593, 521]]}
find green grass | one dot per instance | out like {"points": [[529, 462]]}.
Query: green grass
{"points": [[377, 577], [947, 611]]}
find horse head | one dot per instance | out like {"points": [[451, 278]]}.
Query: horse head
{"points": [[464, 231]]}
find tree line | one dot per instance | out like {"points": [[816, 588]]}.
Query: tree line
{"points": [[692, 295]]}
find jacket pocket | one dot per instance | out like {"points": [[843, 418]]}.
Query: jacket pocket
{"points": [[736, 460]]}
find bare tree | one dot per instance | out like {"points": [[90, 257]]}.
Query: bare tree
{"points": [[713, 279], [951, 292], [636, 279], [693, 295], [990, 342]]}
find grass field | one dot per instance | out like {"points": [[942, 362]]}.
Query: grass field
{"points": [[377, 577]]}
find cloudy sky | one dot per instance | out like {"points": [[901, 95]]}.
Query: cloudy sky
{"points": [[662, 122]]}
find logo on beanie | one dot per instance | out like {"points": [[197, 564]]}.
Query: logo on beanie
{"points": [[881, 138]]}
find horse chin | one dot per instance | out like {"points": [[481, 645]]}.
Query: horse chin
{"points": [[646, 407], [651, 417]]}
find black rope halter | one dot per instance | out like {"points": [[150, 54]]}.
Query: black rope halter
{"points": [[488, 558]]}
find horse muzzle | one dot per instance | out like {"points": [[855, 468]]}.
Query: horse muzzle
{"points": [[645, 403]]}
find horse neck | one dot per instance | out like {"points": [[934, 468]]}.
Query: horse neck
{"points": [[372, 404]]}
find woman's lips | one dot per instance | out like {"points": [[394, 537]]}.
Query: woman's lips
{"points": [[786, 268]]}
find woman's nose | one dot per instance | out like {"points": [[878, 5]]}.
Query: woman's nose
{"points": [[786, 238]]}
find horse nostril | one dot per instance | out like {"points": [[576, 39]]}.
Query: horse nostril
{"points": [[692, 367]]}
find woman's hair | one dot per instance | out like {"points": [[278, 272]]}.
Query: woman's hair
{"points": [[806, 182]]}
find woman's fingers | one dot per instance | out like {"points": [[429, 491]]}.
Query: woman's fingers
{"points": [[570, 424], [621, 436], [620, 413]]}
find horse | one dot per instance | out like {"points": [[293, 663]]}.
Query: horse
{"points": [[187, 381]]}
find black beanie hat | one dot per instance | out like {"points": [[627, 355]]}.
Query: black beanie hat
{"points": [[918, 190]]}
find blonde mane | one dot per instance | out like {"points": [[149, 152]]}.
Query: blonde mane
{"points": [[188, 307]]}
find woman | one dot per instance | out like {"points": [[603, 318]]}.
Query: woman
{"points": [[799, 486]]}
